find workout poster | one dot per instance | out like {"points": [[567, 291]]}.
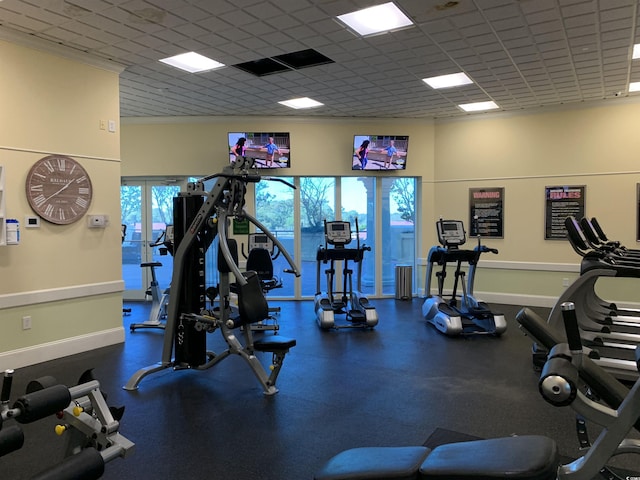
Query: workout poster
{"points": [[488, 205], [562, 202]]}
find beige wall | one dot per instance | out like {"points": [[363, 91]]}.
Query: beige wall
{"points": [[199, 146], [593, 146], [66, 277]]}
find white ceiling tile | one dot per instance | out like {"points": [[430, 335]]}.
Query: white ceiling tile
{"points": [[545, 52]]}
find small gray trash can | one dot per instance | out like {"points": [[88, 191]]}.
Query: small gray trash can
{"points": [[404, 282]]}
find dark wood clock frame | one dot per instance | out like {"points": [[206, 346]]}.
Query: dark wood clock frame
{"points": [[59, 189]]}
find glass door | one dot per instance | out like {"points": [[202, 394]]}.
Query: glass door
{"points": [[398, 227], [317, 204], [146, 210], [275, 209], [358, 203]]}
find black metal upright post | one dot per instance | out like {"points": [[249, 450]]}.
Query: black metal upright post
{"points": [[189, 343]]}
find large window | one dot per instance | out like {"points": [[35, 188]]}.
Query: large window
{"points": [[385, 209], [398, 227], [317, 204], [146, 210], [357, 202], [275, 209], [383, 206]]}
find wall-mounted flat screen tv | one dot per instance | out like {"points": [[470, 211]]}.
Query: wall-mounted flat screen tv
{"points": [[267, 149], [380, 152]]}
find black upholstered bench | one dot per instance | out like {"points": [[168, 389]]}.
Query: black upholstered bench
{"points": [[520, 458], [274, 343], [367, 463]]}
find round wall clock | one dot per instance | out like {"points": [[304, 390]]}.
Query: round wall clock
{"points": [[59, 189]]}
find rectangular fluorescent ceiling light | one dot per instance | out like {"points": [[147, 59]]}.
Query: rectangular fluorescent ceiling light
{"points": [[381, 18], [192, 62], [447, 81], [478, 106], [636, 51], [304, 102], [634, 87]]}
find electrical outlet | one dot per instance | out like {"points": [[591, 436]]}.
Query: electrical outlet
{"points": [[26, 322], [103, 124]]}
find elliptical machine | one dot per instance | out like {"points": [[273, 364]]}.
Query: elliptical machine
{"points": [[357, 308], [470, 315]]}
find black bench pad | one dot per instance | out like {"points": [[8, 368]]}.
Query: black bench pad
{"points": [[379, 463], [273, 343], [528, 457]]}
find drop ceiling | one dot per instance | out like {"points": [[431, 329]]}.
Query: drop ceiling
{"points": [[523, 54]]}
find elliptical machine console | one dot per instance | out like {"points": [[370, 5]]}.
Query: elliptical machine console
{"points": [[450, 316], [357, 308], [451, 233], [338, 233]]}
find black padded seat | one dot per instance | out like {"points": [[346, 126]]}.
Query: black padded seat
{"points": [[374, 463], [528, 457], [274, 343]]}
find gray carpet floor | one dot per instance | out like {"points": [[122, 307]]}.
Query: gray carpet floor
{"points": [[393, 385]]}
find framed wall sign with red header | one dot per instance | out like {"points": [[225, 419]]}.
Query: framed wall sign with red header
{"points": [[561, 202], [486, 212]]}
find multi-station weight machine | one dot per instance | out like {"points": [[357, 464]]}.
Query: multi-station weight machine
{"points": [[199, 218]]}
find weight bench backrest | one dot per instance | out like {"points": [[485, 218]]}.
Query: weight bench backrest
{"points": [[252, 304]]}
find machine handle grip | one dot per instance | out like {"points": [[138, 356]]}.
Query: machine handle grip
{"points": [[571, 326], [288, 270], [6, 386]]}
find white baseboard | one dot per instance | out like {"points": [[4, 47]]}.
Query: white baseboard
{"points": [[45, 352], [518, 299]]}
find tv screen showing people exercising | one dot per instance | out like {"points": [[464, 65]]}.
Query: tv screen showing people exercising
{"points": [[379, 152], [266, 149]]}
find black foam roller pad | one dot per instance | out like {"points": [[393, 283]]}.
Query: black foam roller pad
{"points": [[41, 383], [42, 403], [11, 439], [559, 382], [86, 465]]}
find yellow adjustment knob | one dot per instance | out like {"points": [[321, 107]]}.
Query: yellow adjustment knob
{"points": [[271, 367], [60, 429], [77, 410]]}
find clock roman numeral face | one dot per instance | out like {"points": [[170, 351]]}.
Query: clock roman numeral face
{"points": [[59, 189]]}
